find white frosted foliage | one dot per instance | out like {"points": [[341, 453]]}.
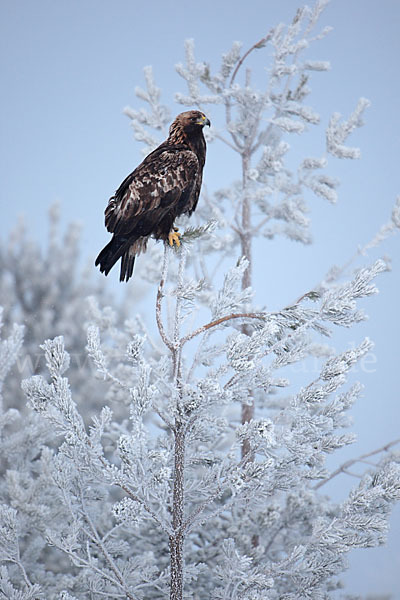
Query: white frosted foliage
{"points": [[180, 453]]}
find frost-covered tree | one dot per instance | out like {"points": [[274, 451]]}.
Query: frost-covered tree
{"points": [[201, 477], [45, 287]]}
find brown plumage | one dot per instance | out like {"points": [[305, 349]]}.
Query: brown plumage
{"points": [[165, 185]]}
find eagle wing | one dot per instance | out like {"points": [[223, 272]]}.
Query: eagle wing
{"points": [[166, 180]]}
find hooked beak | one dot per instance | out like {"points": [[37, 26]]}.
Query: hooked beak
{"points": [[204, 121]]}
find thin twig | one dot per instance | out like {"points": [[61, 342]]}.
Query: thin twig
{"points": [[227, 142], [331, 277], [190, 521], [343, 468], [110, 595], [160, 294], [165, 419], [197, 355], [261, 224], [190, 336], [258, 44], [133, 496], [81, 563], [24, 574], [177, 345], [96, 539]]}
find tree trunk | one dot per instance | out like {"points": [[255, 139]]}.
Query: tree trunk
{"points": [[245, 238], [177, 538]]}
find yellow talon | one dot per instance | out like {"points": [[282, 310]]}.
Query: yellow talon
{"points": [[173, 237]]}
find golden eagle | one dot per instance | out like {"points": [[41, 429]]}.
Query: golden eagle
{"points": [[165, 185]]}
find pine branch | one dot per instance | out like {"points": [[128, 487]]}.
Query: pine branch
{"points": [[260, 44], [94, 536], [349, 463], [203, 328]]}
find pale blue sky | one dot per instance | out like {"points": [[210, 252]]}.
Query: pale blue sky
{"points": [[68, 67]]}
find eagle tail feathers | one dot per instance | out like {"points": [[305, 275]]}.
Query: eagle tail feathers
{"points": [[127, 264], [117, 247]]}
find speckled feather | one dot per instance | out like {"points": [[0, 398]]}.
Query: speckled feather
{"points": [[165, 185]]}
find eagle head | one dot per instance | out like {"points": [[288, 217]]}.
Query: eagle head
{"points": [[191, 122]]}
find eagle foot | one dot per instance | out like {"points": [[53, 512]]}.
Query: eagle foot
{"points": [[173, 237]]}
